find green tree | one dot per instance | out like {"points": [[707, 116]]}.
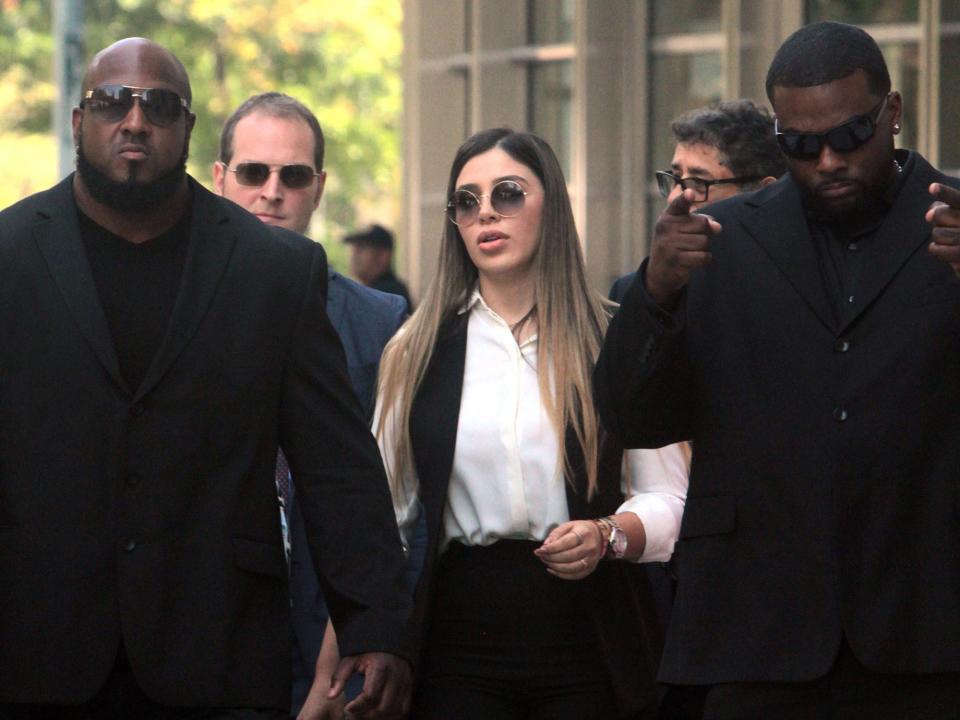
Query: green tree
{"points": [[342, 59]]}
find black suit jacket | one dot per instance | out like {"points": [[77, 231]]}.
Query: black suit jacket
{"points": [[616, 597], [824, 495], [150, 514]]}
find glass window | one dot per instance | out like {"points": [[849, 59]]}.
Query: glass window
{"points": [[550, 114], [950, 11], [550, 21], [903, 62], [680, 83], [685, 16], [949, 103], [863, 12]]}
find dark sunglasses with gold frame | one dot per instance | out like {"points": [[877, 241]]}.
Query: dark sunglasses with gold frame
{"points": [[112, 103]]}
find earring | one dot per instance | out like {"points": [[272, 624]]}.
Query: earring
{"points": [[896, 127]]}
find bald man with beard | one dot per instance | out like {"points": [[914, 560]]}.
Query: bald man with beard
{"points": [[157, 345]]}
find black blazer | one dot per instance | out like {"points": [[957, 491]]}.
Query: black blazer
{"points": [[616, 597], [824, 495], [150, 514]]}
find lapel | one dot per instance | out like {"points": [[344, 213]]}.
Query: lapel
{"points": [[58, 238], [336, 302], [434, 417], [774, 218], [433, 434], [902, 232], [210, 246]]}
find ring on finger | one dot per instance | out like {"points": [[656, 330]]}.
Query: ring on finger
{"points": [[583, 561], [579, 537]]}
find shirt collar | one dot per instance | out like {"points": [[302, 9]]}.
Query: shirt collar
{"points": [[476, 302], [475, 297]]}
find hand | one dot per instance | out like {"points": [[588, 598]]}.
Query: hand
{"points": [[387, 683], [318, 706], [573, 550], [680, 241], [944, 215]]}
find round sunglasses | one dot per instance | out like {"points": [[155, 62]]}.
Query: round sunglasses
{"points": [[507, 199], [845, 137], [112, 103], [255, 174]]}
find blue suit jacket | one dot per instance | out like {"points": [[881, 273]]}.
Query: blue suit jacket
{"points": [[365, 319]]}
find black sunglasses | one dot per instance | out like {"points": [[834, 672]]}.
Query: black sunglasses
{"points": [[506, 198], [845, 137], [255, 174], [667, 181], [111, 103]]}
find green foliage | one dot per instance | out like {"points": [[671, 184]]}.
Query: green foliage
{"points": [[341, 59]]}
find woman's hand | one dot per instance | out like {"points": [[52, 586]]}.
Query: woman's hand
{"points": [[318, 707], [573, 550]]}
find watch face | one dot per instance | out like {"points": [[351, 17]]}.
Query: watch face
{"points": [[618, 542]]}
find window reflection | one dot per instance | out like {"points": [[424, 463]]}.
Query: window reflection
{"points": [[685, 16], [551, 21], [863, 12], [551, 93]]}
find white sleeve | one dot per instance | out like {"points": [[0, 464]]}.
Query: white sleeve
{"points": [[404, 490], [655, 485]]}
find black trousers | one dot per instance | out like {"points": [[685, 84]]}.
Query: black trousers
{"points": [[122, 699], [508, 641], [849, 691]]}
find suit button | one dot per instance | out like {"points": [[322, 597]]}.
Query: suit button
{"points": [[130, 545], [841, 345], [137, 410], [839, 414]]}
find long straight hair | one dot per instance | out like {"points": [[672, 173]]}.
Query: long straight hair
{"points": [[571, 317]]}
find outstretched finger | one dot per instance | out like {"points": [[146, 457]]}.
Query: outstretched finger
{"points": [[681, 204], [945, 194]]}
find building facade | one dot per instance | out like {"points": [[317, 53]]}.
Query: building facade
{"points": [[601, 80]]}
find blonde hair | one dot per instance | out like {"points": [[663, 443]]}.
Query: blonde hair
{"points": [[571, 317]]}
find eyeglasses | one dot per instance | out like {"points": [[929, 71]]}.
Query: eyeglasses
{"points": [[845, 137], [506, 198], [255, 174], [111, 103], [667, 181]]}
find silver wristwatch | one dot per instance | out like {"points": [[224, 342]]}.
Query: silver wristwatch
{"points": [[616, 539]]}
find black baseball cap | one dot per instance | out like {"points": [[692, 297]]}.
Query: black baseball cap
{"points": [[374, 236]]}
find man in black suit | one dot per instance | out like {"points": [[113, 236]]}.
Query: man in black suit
{"points": [[158, 344], [807, 341]]}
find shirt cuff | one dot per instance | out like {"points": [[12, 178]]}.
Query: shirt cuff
{"points": [[661, 524]]}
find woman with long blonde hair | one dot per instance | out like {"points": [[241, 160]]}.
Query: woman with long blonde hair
{"points": [[487, 424]]}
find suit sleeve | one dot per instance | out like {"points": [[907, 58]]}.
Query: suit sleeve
{"points": [[342, 489], [642, 380]]}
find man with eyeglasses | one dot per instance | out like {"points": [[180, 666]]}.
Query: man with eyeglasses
{"points": [[806, 339], [722, 150], [271, 164], [158, 344]]}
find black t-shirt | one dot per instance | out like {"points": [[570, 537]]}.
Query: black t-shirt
{"points": [[845, 250], [138, 285]]}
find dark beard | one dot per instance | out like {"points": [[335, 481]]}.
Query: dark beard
{"points": [[129, 195], [866, 204]]}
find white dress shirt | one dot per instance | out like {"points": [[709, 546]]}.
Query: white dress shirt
{"points": [[506, 481]]}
